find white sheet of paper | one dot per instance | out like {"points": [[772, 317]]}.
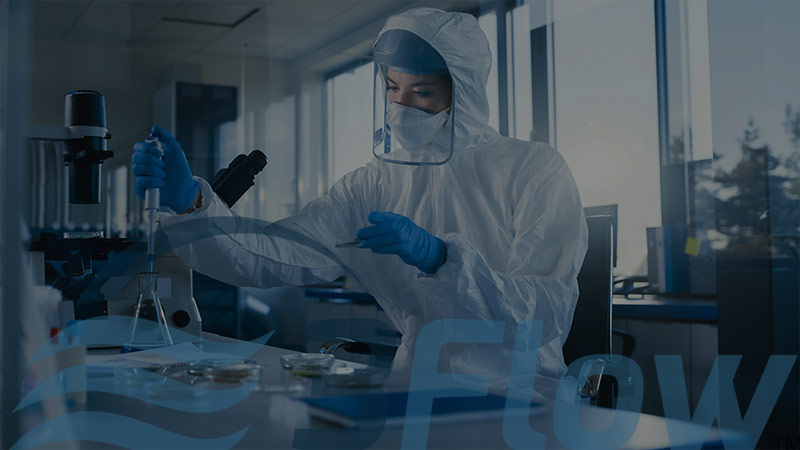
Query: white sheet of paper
{"points": [[173, 355]]}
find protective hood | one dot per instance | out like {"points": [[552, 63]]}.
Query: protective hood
{"points": [[507, 210], [460, 41]]}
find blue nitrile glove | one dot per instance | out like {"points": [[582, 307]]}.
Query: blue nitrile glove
{"points": [[171, 172], [396, 234]]}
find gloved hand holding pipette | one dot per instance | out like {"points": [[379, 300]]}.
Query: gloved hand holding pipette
{"points": [[396, 234], [168, 172]]}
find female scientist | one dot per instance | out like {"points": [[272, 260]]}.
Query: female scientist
{"points": [[462, 223]]}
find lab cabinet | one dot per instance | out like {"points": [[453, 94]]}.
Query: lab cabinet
{"points": [[695, 342]]}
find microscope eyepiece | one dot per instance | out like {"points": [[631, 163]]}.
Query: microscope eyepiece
{"points": [[257, 160], [233, 181], [87, 145], [85, 108]]}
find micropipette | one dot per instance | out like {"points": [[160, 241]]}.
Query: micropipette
{"points": [[356, 243], [151, 203]]}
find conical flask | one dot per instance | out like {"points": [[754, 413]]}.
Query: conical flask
{"points": [[149, 328]]}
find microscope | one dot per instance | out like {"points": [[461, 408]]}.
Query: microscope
{"points": [[98, 275]]}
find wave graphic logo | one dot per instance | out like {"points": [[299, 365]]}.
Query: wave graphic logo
{"points": [[157, 377], [148, 385]]}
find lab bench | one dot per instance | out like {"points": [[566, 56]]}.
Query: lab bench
{"points": [[666, 308], [271, 417], [660, 325], [649, 307]]}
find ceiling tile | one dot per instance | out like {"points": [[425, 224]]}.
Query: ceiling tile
{"points": [[295, 25], [104, 19], [187, 31], [252, 31], [224, 13], [308, 11], [284, 29], [230, 48], [180, 36], [53, 18], [145, 14]]}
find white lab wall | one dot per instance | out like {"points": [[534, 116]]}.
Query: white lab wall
{"points": [[271, 129], [310, 138], [488, 23], [351, 123], [520, 101]]}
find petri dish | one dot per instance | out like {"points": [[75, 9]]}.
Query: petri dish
{"points": [[234, 373], [198, 367], [292, 360], [307, 364], [225, 370], [353, 377]]}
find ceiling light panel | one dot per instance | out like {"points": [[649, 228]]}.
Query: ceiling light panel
{"points": [[222, 13]]}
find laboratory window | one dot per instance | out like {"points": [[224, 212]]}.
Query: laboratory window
{"points": [[605, 113], [349, 120]]}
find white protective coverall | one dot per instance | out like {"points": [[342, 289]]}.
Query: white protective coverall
{"points": [[507, 210]]}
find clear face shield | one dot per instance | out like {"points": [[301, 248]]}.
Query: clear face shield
{"points": [[413, 117]]}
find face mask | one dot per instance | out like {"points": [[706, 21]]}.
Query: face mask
{"points": [[414, 129]]}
